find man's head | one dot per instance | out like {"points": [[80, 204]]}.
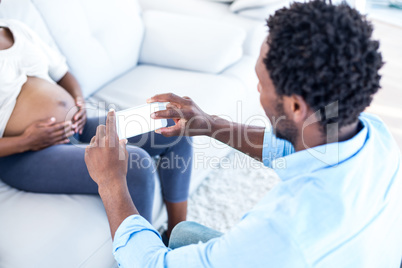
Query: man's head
{"points": [[317, 54]]}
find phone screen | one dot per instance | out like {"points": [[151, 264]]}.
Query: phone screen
{"points": [[135, 121]]}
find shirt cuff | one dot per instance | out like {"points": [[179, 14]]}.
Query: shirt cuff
{"points": [[130, 226]]}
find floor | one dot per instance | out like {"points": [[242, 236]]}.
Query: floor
{"points": [[230, 191]]}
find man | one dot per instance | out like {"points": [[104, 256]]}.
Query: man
{"points": [[338, 204]]}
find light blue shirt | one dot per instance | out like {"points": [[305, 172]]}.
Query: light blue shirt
{"points": [[338, 205]]}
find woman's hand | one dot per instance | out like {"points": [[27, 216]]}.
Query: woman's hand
{"points": [[80, 117], [44, 133], [107, 160], [189, 118], [71, 85], [106, 157]]}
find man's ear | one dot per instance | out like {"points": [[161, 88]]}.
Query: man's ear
{"points": [[296, 108]]}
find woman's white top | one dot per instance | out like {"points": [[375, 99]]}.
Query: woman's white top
{"points": [[28, 56]]}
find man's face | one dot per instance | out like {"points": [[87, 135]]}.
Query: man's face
{"points": [[272, 103]]}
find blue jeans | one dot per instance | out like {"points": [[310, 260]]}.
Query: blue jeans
{"points": [[61, 169], [188, 232]]}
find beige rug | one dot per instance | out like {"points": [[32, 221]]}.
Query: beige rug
{"points": [[230, 190]]}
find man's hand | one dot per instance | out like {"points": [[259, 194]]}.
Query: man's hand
{"points": [[80, 117], [106, 157], [189, 118], [191, 121], [44, 133]]}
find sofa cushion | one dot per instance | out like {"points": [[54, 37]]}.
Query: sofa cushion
{"points": [[259, 13], [38, 229], [56, 230], [221, 1], [255, 29], [200, 44], [247, 4], [100, 38], [200, 8]]}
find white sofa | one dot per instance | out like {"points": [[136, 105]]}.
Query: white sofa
{"points": [[122, 56]]}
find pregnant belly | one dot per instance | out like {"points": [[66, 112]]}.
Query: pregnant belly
{"points": [[39, 99]]}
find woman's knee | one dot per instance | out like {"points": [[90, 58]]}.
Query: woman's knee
{"points": [[141, 166], [186, 145]]}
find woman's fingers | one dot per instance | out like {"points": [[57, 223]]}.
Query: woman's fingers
{"points": [[47, 122], [67, 125], [79, 101], [79, 121], [59, 140], [79, 125], [64, 141], [62, 133], [79, 114]]}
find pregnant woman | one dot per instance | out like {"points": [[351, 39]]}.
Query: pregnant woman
{"points": [[41, 106]]}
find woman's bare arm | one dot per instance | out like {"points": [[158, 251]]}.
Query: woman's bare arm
{"points": [[12, 145], [39, 135], [70, 84]]}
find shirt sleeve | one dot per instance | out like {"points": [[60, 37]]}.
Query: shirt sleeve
{"points": [[252, 243], [56, 62], [274, 148]]}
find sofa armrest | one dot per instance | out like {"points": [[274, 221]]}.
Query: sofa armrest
{"points": [[184, 42]]}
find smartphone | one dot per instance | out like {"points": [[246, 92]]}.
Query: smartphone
{"points": [[137, 120]]}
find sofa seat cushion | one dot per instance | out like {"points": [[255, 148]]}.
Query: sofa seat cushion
{"points": [[38, 229], [56, 230], [216, 94]]}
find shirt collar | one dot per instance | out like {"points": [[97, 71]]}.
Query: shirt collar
{"points": [[319, 157]]}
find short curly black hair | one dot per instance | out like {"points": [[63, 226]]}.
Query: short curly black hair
{"points": [[324, 53]]}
